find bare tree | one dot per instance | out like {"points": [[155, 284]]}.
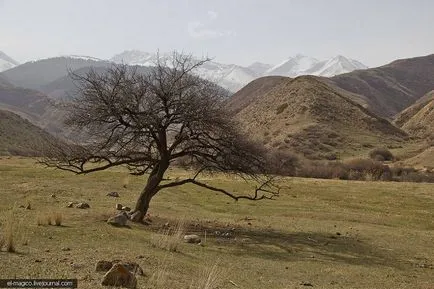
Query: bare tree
{"points": [[150, 120]]}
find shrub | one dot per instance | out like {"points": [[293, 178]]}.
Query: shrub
{"points": [[381, 154], [283, 163]]}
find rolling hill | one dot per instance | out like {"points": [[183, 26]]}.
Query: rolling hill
{"points": [[310, 117], [391, 88], [18, 136], [418, 119]]}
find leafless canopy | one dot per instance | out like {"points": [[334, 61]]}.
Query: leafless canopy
{"points": [[149, 120]]}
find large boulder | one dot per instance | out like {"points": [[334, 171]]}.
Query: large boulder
{"points": [[120, 220], [119, 276]]}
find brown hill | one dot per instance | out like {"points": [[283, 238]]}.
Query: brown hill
{"points": [[311, 117], [418, 119], [18, 136], [393, 87]]}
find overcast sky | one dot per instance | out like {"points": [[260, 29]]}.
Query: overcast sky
{"points": [[233, 31]]}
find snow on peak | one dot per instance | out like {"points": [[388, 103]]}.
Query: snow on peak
{"points": [[83, 57], [305, 65], [234, 77], [6, 62]]}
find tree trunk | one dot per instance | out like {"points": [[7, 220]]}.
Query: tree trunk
{"points": [[151, 188]]}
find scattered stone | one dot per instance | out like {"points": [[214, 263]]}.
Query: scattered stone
{"points": [[338, 234], [307, 284], [113, 194], [38, 261], [140, 257], [166, 225], [47, 250], [120, 220], [119, 275], [83, 206], [119, 207], [28, 207], [125, 208], [53, 196], [70, 205], [192, 239], [22, 206], [66, 249]]}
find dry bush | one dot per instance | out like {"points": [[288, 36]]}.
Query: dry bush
{"points": [[283, 163], [381, 154], [170, 238]]}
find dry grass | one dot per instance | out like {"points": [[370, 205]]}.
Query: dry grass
{"points": [[57, 218], [170, 238], [210, 278], [385, 232], [10, 229]]}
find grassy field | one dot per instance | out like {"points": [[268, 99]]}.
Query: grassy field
{"points": [[320, 233]]}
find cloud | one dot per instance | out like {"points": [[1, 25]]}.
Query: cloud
{"points": [[197, 29], [212, 15]]}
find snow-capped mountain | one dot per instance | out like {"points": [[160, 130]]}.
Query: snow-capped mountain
{"points": [[6, 62], [305, 65], [229, 76], [233, 77]]}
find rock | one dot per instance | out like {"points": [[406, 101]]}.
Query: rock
{"points": [[119, 275], [103, 266], [193, 239], [119, 207], [136, 216], [113, 194], [125, 208], [82, 206], [70, 205], [119, 220], [66, 249], [133, 267], [28, 207], [53, 196]]}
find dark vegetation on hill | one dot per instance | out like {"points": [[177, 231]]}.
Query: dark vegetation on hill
{"points": [[18, 136]]}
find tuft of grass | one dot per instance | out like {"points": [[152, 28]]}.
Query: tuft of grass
{"points": [[9, 240], [57, 218], [170, 238], [210, 278]]}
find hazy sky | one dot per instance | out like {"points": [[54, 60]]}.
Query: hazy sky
{"points": [[233, 31]]}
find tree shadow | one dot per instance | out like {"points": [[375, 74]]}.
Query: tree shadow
{"points": [[315, 246]]}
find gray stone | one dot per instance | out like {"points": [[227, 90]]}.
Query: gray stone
{"points": [[82, 206], [119, 207], [113, 194], [119, 220], [125, 208], [193, 239], [119, 275], [70, 205]]}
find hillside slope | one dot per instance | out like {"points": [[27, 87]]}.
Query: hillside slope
{"points": [[310, 117], [20, 137], [418, 119], [393, 87]]}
